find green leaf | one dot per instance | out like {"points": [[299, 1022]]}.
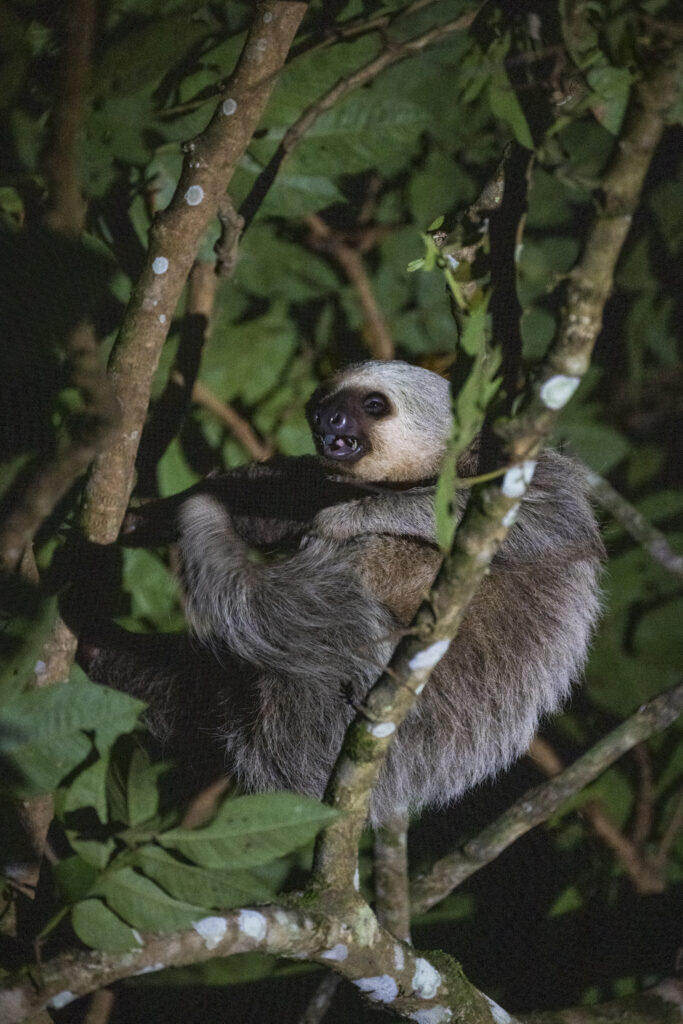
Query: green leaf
{"points": [[612, 87], [143, 904], [43, 733], [153, 588], [251, 830], [75, 878], [210, 888], [506, 106], [99, 928]]}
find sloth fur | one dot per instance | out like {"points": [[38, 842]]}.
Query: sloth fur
{"points": [[294, 606]]}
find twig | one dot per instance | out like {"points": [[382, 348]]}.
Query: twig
{"points": [[66, 204], [294, 134], [645, 800], [355, 27], [243, 431], [209, 164], [540, 803], [322, 237], [101, 1006], [392, 903], [648, 536], [321, 1000], [645, 876], [669, 837]]}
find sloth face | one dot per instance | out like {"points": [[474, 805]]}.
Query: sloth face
{"points": [[342, 423], [382, 421]]}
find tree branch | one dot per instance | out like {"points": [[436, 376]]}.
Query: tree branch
{"points": [[66, 204], [543, 801], [210, 161], [648, 536], [392, 902], [493, 506], [323, 238]]}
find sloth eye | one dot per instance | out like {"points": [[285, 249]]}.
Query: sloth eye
{"points": [[375, 404]]}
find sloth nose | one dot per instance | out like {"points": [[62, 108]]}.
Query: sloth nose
{"points": [[330, 419]]}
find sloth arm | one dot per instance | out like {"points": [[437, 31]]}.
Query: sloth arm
{"points": [[269, 503]]}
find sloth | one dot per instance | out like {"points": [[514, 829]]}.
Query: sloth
{"points": [[300, 575]]}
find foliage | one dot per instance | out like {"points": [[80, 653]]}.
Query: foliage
{"points": [[419, 142]]}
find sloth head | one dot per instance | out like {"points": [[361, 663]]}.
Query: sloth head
{"points": [[382, 421]]}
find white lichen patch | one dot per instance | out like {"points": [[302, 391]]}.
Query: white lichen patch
{"points": [[150, 969], [253, 924], [339, 952], [261, 44], [356, 880], [434, 1015], [426, 979], [381, 989], [670, 991], [194, 195], [160, 265], [557, 391], [399, 958], [500, 1015], [40, 668], [137, 936], [268, 16], [510, 517], [381, 729], [62, 999], [518, 478], [229, 107], [212, 930], [430, 657]]}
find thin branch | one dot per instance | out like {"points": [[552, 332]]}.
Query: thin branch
{"points": [[392, 903], [627, 850], [240, 428], [671, 833], [356, 27], [323, 238], [321, 1000], [540, 803], [645, 800], [210, 161], [294, 134], [647, 535]]}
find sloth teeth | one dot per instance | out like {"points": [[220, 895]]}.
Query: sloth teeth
{"points": [[340, 442]]}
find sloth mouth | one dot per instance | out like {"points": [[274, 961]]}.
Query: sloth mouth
{"points": [[340, 447]]}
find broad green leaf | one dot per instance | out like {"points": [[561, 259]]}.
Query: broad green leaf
{"points": [[210, 888], [44, 733], [98, 927], [152, 586], [173, 470], [141, 902], [251, 830]]}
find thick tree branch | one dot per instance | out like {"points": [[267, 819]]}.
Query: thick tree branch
{"points": [[540, 803], [209, 164], [66, 204], [493, 507], [344, 936]]}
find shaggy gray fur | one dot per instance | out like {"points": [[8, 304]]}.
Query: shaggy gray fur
{"points": [[287, 647]]}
